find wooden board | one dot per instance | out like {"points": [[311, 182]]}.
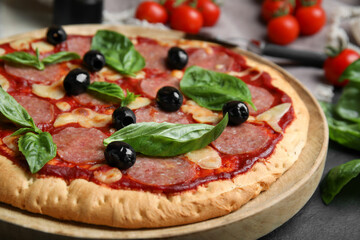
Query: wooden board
{"points": [[255, 219]]}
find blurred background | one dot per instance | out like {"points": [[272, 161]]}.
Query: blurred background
{"points": [[239, 20]]}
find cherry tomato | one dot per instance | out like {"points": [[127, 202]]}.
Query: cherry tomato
{"points": [[209, 10], [169, 5], [283, 30], [187, 19], [311, 19], [151, 11], [274, 8], [335, 66]]}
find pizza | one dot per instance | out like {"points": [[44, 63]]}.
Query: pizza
{"points": [[187, 162]]}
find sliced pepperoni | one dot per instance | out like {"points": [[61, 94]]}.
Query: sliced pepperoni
{"points": [[261, 98], [154, 54], [153, 114], [87, 99], [40, 110], [217, 61], [52, 73], [162, 171], [150, 86], [80, 45], [80, 145], [242, 139]]}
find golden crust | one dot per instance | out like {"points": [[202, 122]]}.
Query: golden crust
{"points": [[139, 209]]}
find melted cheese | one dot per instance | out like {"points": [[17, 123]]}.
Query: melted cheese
{"points": [[139, 102], [273, 116], [111, 176], [201, 114], [63, 106], [2, 51], [53, 91], [206, 158], [42, 46], [109, 74], [242, 73], [256, 76], [85, 117], [177, 73], [11, 142], [4, 83], [21, 44]]}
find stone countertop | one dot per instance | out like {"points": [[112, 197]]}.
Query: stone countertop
{"points": [[240, 18]]}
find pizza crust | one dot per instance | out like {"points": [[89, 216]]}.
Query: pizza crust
{"points": [[139, 209]]}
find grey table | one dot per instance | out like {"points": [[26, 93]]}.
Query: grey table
{"points": [[240, 18]]}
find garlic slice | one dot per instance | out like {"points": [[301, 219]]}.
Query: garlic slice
{"points": [[206, 158]]}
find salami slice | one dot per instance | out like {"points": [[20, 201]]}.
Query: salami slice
{"points": [[80, 45], [153, 114], [261, 98], [162, 171], [40, 110], [80, 145], [150, 86], [154, 54], [217, 61], [52, 73], [242, 139]]}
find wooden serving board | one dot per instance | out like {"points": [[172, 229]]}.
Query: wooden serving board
{"points": [[258, 217]]}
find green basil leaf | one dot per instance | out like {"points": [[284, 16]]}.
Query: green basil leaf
{"points": [[212, 89], [167, 139], [119, 52], [352, 72], [348, 106], [111, 92], [22, 131], [38, 149], [337, 178], [127, 61], [24, 58], [342, 131], [60, 57], [13, 111], [110, 40]]}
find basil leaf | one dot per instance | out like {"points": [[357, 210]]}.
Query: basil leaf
{"points": [[110, 40], [212, 89], [342, 131], [337, 178], [119, 52], [60, 57], [24, 58], [111, 92], [127, 61], [38, 149], [22, 131], [348, 106], [167, 139], [13, 111], [352, 72]]}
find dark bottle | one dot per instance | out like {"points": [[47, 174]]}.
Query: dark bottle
{"points": [[77, 11]]}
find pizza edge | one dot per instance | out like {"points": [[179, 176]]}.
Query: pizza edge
{"points": [[88, 202]]}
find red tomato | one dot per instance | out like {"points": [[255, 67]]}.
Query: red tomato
{"points": [[187, 19], [335, 66], [311, 19], [273, 8], [209, 10], [283, 30], [169, 5], [151, 11]]}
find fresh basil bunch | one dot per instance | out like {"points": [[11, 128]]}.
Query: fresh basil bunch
{"points": [[37, 146], [344, 127], [119, 52], [27, 59]]}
